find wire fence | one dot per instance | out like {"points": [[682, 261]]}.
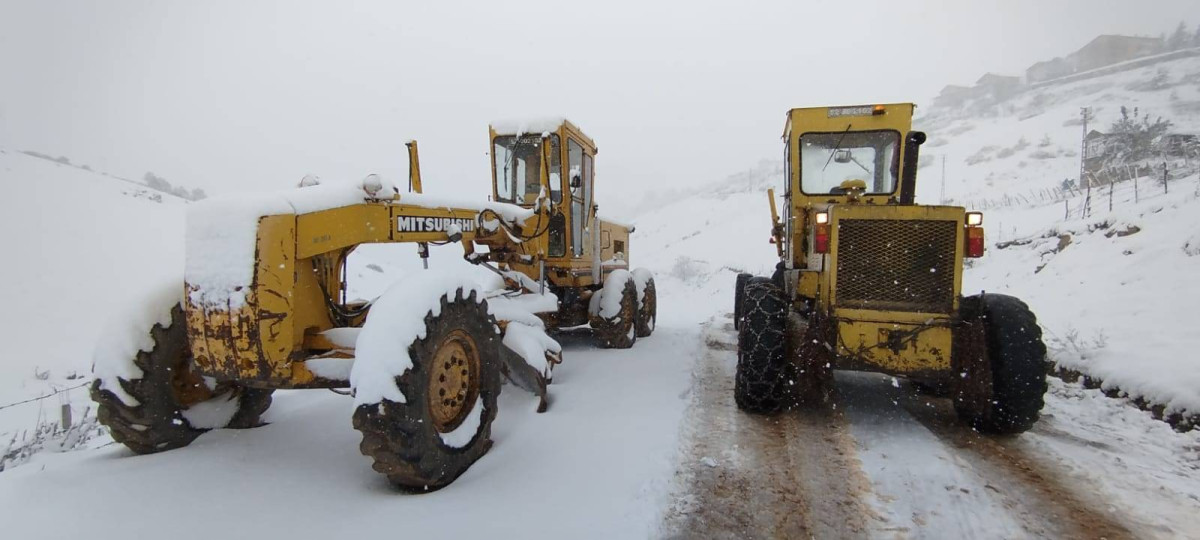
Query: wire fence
{"points": [[1082, 202], [60, 420]]}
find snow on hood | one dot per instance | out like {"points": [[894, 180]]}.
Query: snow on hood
{"points": [[222, 232]]}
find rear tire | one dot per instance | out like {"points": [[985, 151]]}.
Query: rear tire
{"points": [[763, 372], [407, 441], [618, 331], [739, 294], [158, 421], [647, 314], [1015, 360]]}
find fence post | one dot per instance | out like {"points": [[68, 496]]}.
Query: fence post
{"points": [[1110, 194], [1066, 209], [1164, 177], [66, 416]]}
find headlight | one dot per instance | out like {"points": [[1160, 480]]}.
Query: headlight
{"points": [[822, 218], [974, 219]]}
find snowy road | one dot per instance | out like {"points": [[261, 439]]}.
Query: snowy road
{"points": [[648, 443], [598, 464], [884, 462]]}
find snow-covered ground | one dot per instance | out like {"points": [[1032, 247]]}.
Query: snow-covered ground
{"points": [[598, 464]]}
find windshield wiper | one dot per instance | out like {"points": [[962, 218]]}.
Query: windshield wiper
{"points": [[835, 147]]}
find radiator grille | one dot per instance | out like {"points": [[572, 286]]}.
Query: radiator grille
{"points": [[891, 264]]}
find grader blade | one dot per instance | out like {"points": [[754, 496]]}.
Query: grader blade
{"points": [[516, 369]]}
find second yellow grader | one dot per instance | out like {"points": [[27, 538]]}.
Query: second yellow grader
{"points": [[868, 280]]}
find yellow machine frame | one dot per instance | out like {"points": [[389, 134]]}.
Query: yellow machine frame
{"points": [[899, 342], [298, 289]]}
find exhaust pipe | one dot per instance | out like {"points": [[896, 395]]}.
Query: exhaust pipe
{"points": [[908, 180]]}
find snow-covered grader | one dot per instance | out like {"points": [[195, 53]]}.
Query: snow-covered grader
{"points": [[870, 281], [264, 306]]}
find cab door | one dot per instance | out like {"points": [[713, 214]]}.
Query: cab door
{"points": [[579, 173]]}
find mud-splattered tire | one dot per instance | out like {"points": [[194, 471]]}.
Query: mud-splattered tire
{"points": [[157, 422], [739, 293], [647, 306], [761, 380], [620, 330], [408, 441], [1015, 361]]}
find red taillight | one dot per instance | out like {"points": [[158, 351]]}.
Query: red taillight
{"points": [[821, 238], [974, 242]]}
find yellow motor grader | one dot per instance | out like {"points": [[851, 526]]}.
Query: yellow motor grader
{"points": [[868, 280], [264, 306]]}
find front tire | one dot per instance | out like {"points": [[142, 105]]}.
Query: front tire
{"points": [[1013, 357], [444, 425], [165, 393], [762, 376]]}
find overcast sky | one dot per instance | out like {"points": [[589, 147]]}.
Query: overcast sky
{"points": [[246, 95]]}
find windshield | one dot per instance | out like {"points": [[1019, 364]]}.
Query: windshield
{"points": [[518, 166], [828, 159]]}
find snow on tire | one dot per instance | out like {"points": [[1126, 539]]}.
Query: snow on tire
{"points": [[426, 425], [763, 371], [167, 406], [647, 302], [613, 311]]}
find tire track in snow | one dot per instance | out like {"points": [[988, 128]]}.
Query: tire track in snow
{"points": [[1048, 503], [790, 475]]}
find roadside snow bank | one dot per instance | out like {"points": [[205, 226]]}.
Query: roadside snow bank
{"points": [[128, 332], [396, 320], [1116, 292]]}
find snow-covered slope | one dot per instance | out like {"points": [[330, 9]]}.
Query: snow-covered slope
{"points": [[1112, 288], [81, 245], [1032, 142]]}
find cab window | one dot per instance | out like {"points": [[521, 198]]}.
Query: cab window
{"points": [[517, 162], [829, 159]]}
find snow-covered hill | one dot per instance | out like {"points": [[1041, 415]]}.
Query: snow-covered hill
{"points": [[80, 245], [1032, 141]]}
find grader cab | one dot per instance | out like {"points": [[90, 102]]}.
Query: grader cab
{"points": [[868, 280], [263, 305]]}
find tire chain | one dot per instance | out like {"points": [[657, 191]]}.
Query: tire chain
{"points": [[763, 370]]}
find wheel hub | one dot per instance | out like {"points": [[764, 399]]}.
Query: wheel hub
{"points": [[453, 381]]}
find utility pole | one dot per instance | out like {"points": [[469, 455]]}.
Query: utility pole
{"points": [[1087, 201], [1164, 177]]}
